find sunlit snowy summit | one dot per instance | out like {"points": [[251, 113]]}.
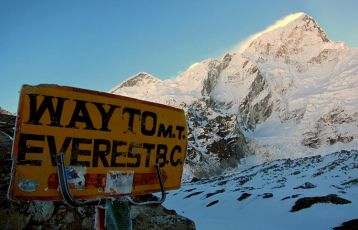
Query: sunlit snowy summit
{"points": [[286, 92]]}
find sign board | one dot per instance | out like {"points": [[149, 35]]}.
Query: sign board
{"points": [[110, 143]]}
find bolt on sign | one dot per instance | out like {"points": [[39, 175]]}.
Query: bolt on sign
{"points": [[111, 144]]}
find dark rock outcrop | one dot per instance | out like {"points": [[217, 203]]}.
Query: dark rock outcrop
{"points": [[307, 202], [267, 195], [306, 185], [220, 133], [212, 203], [255, 112], [212, 78], [158, 218], [348, 225], [243, 196], [327, 131]]}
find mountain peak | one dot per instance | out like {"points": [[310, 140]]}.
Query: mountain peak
{"points": [[278, 98], [140, 79], [311, 23], [307, 23], [4, 111], [295, 37]]}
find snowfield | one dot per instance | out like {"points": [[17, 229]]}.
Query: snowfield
{"points": [[273, 188]]}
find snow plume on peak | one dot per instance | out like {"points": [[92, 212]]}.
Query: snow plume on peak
{"points": [[193, 65], [285, 21], [278, 24]]}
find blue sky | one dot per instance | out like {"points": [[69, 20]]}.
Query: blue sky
{"points": [[98, 44]]}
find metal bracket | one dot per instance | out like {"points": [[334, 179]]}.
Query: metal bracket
{"points": [[157, 202], [65, 191]]}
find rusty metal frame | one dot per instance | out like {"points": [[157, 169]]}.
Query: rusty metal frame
{"points": [[67, 196]]}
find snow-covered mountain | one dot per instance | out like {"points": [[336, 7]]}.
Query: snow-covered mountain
{"points": [[4, 111], [288, 91], [318, 192]]}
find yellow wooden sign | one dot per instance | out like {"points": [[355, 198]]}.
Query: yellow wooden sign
{"points": [[110, 143]]}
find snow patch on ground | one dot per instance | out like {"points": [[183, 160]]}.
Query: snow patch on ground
{"points": [[273, 189]]}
